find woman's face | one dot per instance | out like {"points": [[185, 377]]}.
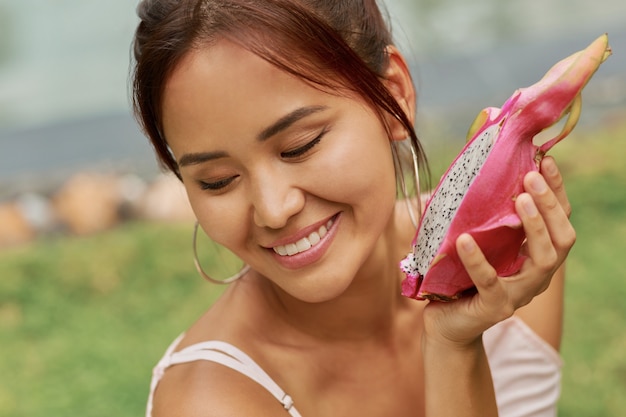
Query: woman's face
{"points": [[297, 182]]}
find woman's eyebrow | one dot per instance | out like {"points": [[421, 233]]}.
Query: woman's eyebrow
{"points": [[198, 158], [288, 120]]}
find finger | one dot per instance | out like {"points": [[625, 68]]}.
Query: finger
{"points": [[552, 175], [483, 275], [554, 216], [492, 299], [539, 245]]}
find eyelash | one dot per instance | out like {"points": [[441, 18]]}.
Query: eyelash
{"points": [[298, 152], [216, 185], [305, 148]]}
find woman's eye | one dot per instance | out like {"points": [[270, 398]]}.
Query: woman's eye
{"points": [[302, 150], [216, 185]]}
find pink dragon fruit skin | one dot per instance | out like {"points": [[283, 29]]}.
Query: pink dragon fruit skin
{"points": [[477, 194]]}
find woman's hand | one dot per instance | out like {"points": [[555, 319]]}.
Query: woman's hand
{"points": [[544, 210]]}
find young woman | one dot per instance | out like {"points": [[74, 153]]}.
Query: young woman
{"points": [[282, 119]]}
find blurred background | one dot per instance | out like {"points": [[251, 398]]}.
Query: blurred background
{"points": [[95, 270]]}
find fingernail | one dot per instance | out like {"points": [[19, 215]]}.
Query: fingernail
{"points": [[550, 167], [538, 184], [467, 243], [529, 207]]}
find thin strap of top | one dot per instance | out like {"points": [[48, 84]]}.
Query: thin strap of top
{"points": [[224, 354]]}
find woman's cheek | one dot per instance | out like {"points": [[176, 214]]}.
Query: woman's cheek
{"points": [[363, 171], [218, 216]]}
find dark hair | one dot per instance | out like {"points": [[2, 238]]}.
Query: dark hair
{"points": [[331, 44]]}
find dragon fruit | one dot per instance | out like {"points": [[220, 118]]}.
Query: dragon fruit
{"points": [[477, 193]]}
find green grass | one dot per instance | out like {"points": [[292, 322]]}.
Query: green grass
{"points": [[83, 320], [594, 347]]}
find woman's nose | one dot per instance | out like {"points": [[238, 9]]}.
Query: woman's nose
{"points": [[275, 199]]}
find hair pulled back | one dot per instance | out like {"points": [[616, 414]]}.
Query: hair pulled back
{"points": [[335, 45]]}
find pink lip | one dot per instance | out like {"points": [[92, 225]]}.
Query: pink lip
{"points": [[300, 234], [312, 255]]}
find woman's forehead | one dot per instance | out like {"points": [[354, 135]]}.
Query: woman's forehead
{"points": [[228, 90]]}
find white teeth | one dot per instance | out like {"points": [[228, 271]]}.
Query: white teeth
{"points": [[305, 243], [292, 249], [314, 238]]}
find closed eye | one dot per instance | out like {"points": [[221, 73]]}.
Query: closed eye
{"points": [[216, 185], [302, 150]]}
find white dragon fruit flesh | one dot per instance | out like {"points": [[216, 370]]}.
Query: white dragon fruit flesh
{"points": [[477, 193]]}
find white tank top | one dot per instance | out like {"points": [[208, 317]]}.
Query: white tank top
{"points": [[526, 370]]}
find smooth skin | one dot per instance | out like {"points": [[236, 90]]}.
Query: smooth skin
{"points": [[331, 327]]}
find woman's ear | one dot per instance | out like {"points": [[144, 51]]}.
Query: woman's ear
{"points": [[398, 81]]}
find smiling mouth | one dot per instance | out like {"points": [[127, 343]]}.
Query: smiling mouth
{"points": [[305, 243]]}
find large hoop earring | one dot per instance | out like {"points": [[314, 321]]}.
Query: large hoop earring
{"points": [[403, 187], [418, 188], [203, 274]]}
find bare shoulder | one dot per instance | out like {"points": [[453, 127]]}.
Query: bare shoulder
{"points": [[207, 389]]}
